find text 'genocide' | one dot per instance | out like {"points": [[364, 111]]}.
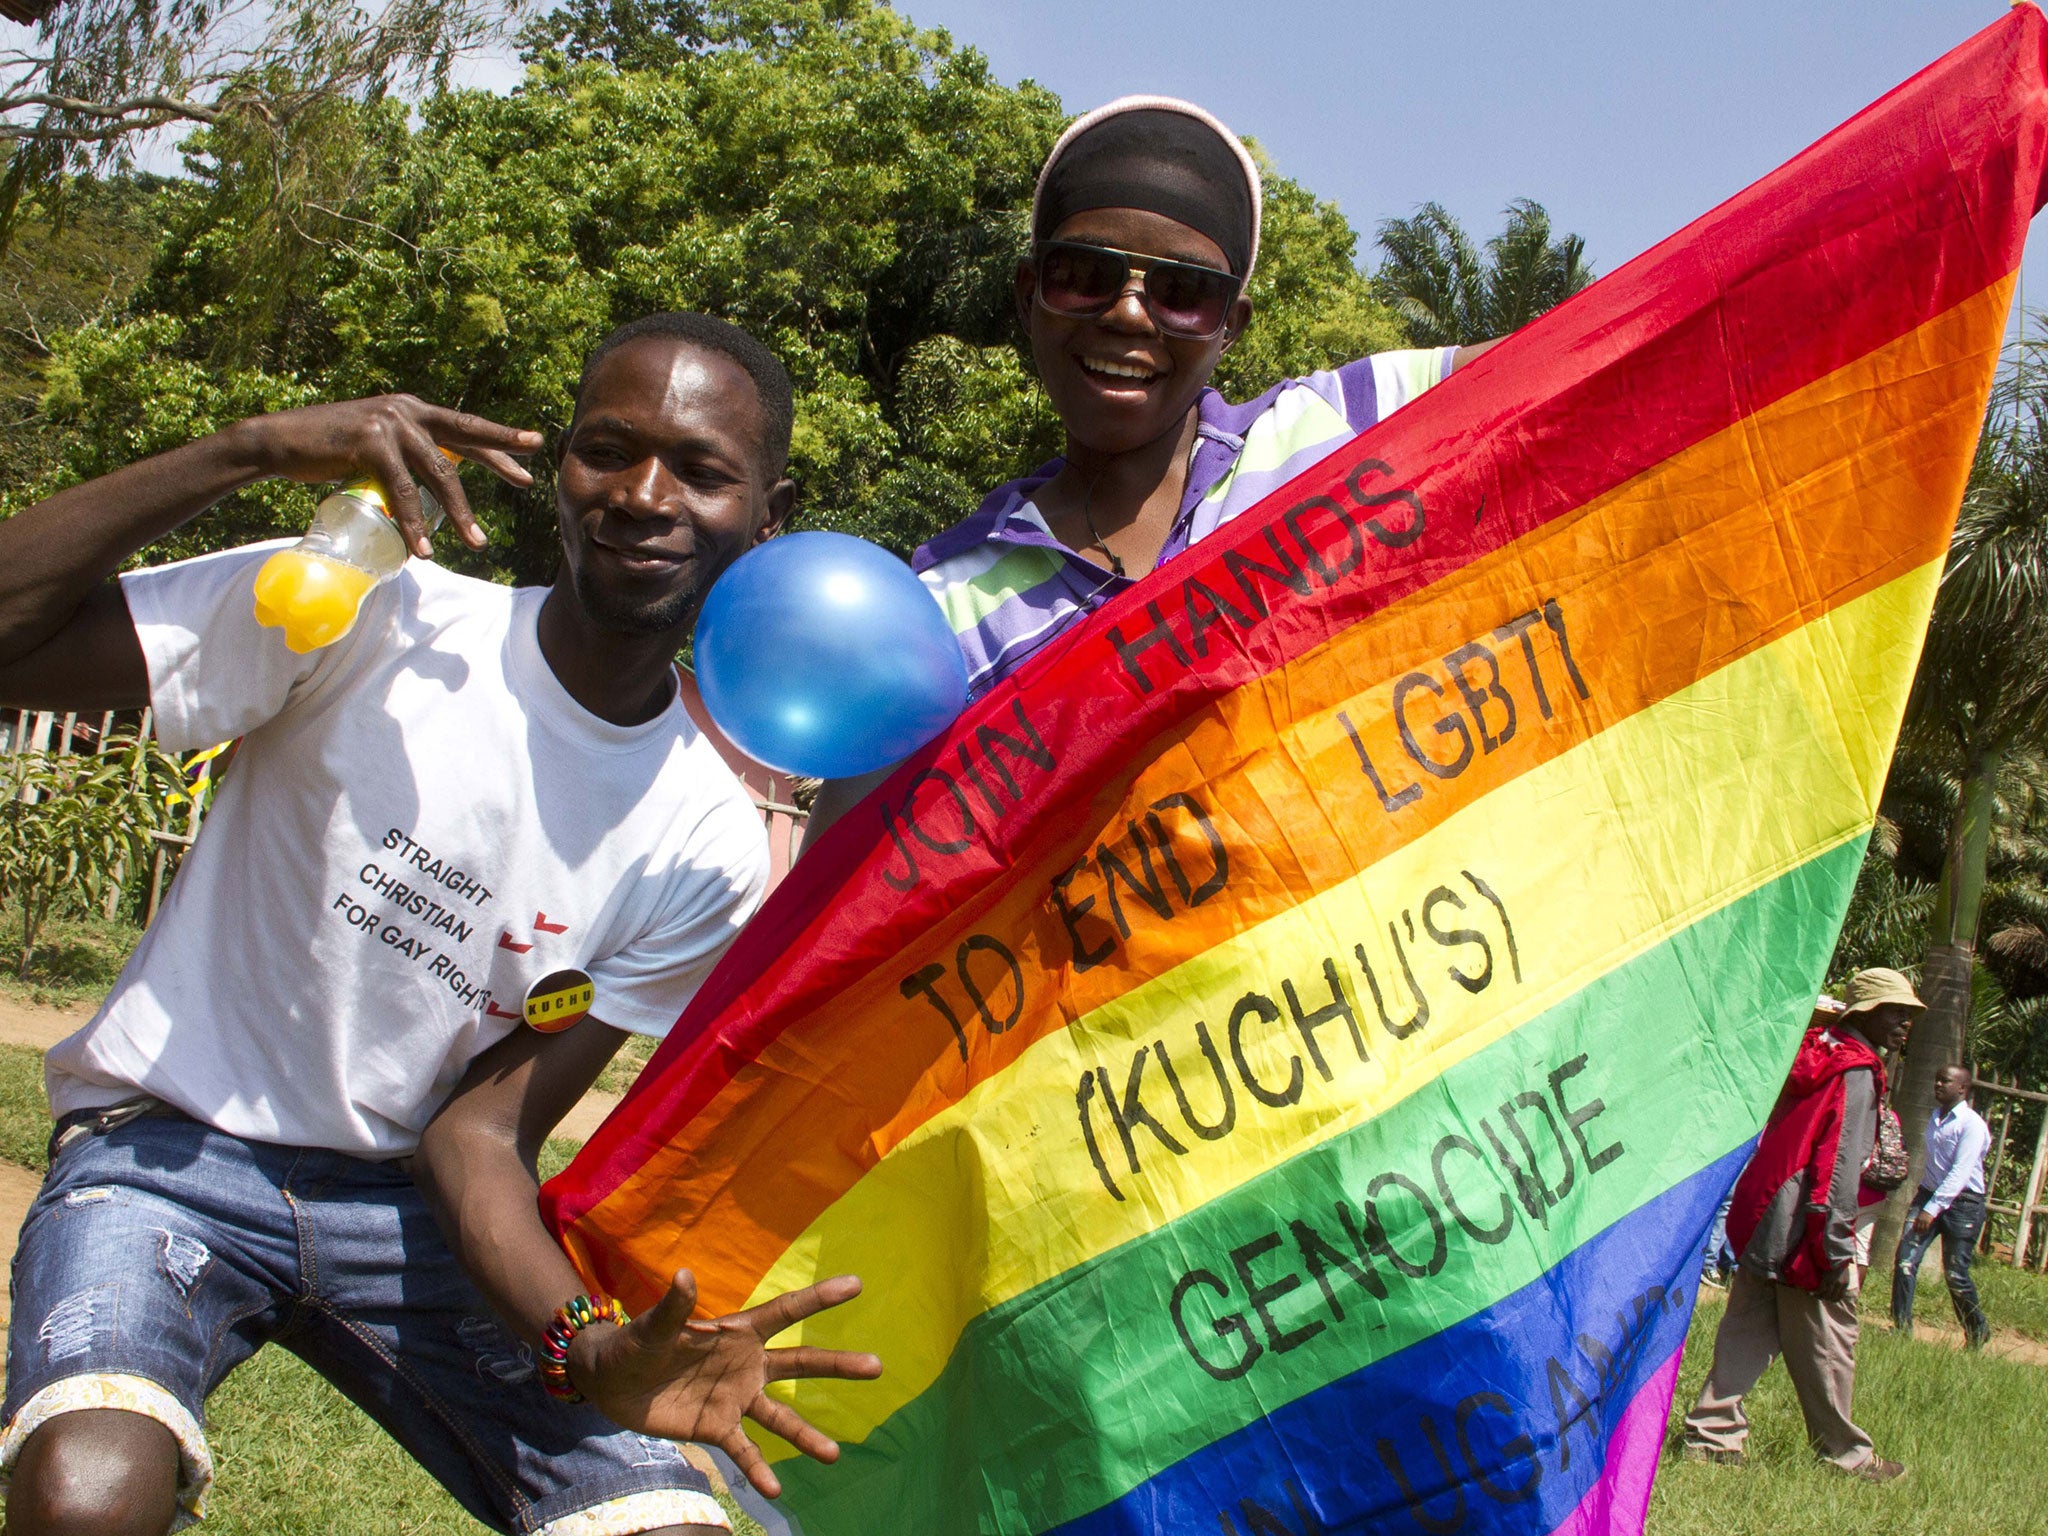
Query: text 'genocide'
{"points": [[1336, 1268], [1521, 1165]]}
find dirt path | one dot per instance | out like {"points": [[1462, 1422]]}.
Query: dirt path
{"points": [[17, 1188], [584, 1119], [2006, 1344], [33, 1024]]}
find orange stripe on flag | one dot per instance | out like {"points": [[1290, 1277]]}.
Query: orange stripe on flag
{"points": [[1809, 503]]}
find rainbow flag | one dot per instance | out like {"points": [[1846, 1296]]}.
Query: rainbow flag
{"points": [[1274, 1061]]}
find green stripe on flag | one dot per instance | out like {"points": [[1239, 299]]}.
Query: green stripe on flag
{"points": [[1682, 1048]]}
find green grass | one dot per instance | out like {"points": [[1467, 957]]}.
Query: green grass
{"points": [[24, 1111], [76, 960], [555, 1155], [620, 1071], [293, 1457], [1966, 1426]]}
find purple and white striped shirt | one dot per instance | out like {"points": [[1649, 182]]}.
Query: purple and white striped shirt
{"points": [[1008, 587]]}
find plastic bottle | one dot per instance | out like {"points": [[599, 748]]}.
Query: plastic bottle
{"points": [[314, 590]]}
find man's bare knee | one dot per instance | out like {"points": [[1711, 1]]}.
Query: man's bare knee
{"points": [[97, 1472]]}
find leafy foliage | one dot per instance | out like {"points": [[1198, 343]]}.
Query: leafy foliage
{"points": [[628, 34], [56, 276], [1891, 916], [1449, 294], [71, 823], [853, 190]]}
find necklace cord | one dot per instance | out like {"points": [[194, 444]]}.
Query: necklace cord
{"points": [[1116, 566]]}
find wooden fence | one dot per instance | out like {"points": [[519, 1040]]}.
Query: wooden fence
{"points": [[2029, 1212], [43, 730]]}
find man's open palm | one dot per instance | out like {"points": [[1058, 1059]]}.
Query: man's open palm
{"points": [[668, 1374]]}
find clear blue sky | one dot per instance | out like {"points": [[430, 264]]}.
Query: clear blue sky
{"points": [[1624, 120]]}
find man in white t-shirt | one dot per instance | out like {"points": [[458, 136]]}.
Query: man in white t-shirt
{"points": [[310, 1109]]}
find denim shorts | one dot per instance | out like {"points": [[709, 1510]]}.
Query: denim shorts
{"points": [[161, 1254]]}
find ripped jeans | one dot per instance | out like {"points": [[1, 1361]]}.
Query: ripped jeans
{"points": [[162, 1254]]}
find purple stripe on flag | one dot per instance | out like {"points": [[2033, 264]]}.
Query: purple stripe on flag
{"points": [[1620, 1500]]}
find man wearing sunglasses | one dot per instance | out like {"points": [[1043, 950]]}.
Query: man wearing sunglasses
{"points": [[1145, 230]]}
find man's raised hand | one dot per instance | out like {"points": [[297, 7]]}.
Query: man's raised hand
{"points": [[398, 439], [683, 1378]]}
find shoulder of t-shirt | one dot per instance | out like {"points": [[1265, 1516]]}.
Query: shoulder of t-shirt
{"points": [[171, 603], [715, 820], [433, 600], [222, 558], [436, 583], [1376, 386]]}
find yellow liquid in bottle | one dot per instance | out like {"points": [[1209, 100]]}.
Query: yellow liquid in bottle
{"points": [[314, 600]]}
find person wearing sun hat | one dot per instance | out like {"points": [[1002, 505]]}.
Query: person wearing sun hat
{"points": [[1145, 231], [1793, 1223]]}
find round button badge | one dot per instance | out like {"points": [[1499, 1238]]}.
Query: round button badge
{"points": [[558, 1000]]}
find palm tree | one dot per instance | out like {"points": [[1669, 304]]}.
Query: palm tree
{"points": [[1449, 294], [1976, 720]]}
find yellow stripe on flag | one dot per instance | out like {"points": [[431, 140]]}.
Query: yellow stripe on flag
{"points": [[1659, 820]]}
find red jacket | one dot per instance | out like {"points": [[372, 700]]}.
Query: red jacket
{"points": [[1802, 1141]]}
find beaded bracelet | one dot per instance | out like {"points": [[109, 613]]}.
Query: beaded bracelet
{"points": [[570, 1319]]}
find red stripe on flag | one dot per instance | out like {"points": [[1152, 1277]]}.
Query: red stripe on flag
{"points": [[1916, 204]]}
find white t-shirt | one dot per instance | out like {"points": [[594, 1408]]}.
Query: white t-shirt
{"points": [[420, 825]]}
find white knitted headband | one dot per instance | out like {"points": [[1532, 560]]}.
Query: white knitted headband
{"points": [[1122, 104]]}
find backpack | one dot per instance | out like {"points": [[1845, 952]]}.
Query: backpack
{"points": [[1888, 1164]]}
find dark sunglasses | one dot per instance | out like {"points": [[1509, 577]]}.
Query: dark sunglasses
{"points": [[1084, 281]]}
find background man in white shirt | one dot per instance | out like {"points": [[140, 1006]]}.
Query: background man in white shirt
{"points": [[309, 1112], [1950, 1201]]}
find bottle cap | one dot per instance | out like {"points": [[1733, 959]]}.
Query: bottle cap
{"points": [[372, 491]]}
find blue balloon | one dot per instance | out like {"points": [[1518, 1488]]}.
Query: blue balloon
{"points": [[821, 654]]}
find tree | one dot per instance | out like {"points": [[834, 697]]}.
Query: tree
{"points": [[627, 34], [1891, 912], [850, 188], [54, 278], [103, 73], [1449, 295], [1975, 722]]}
